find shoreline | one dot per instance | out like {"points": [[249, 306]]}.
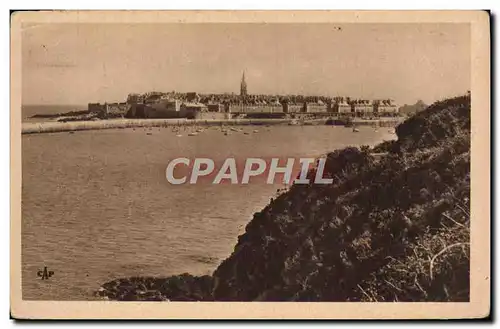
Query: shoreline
{"points": [[55, 126]]}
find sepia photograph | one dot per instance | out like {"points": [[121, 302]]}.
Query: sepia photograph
{"points": [[162, 159]]}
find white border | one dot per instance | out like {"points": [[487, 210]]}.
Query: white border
{"points": [[186, 4]]}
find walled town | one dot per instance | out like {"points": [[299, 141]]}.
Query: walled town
{"points": [[192, 105], [220, 109]]}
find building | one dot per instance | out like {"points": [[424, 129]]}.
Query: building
{"points": [[135, 99], [363, 106], [344, 107], [386, 106], [97, 108], [164, 109], [153, 97], [214, 107], [243, 86], [192, 97], [191, 110], [316, 107], [166, 105]]}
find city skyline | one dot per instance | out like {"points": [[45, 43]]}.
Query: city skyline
{"points": [[81, 63]]}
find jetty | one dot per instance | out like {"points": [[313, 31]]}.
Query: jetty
{"points": [[54, 126]]}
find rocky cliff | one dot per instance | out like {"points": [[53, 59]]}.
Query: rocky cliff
{"points": [[389, 229]]}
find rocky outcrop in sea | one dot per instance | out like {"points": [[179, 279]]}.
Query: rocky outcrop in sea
{"points": [[184, 287]]}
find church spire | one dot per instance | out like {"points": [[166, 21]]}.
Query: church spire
{"points": [[243, 86]]}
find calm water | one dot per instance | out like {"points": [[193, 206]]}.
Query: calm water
{"points": [[96, 205]]}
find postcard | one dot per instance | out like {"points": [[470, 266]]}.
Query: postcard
{"points": [[250, 165]]}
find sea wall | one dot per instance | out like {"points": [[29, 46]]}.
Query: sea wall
{"points": [[106, 108], [289, 108], [378, 122], [212, 116], [269, 115], [202, 118], [52, 126], [253, 108]]}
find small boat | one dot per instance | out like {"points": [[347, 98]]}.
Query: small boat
{"points": [[149, 133], [356, 130], [179, 135], [246, 133], [193, 134], [234, 129], [255, 131]]}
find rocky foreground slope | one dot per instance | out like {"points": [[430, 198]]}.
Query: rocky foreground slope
{"points": [[394, 229]]}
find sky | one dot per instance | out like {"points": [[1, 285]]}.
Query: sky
{"points": [[87, 62]]}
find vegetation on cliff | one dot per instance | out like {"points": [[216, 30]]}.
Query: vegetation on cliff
{"points": [[393, 229]]}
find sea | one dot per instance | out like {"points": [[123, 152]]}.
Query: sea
{"points": [[96, 205]]}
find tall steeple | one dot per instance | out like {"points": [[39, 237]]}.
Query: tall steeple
{"points": [[243, 86]]}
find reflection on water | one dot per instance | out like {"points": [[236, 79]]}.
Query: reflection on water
{"points": [[96, 205]]}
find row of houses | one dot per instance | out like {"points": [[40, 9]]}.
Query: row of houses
{"points": [[364, 107], [161, 107], [381, 107], [274, 103]]}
